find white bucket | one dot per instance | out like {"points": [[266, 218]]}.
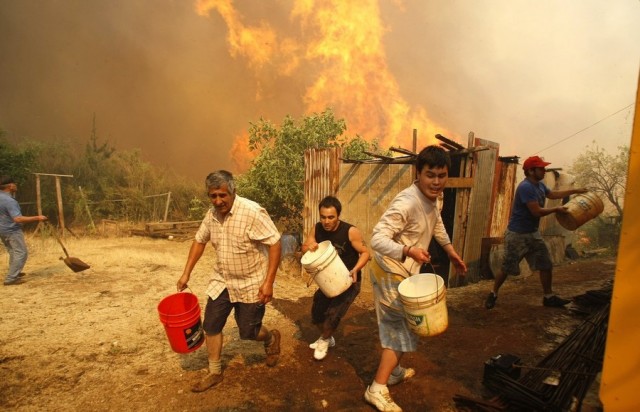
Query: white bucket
{"points": [[424, 300], [327, 269]]}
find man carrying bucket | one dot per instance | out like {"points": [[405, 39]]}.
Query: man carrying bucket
{"points": [[247, 246], [326, 312], [522, 238], [400, 241]]}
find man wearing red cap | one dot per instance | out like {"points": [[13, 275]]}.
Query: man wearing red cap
{"points": [[522, 238]]}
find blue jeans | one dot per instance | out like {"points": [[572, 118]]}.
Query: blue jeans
{"points": [[17, 248]]}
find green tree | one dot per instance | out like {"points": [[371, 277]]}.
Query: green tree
{"points": [[603, 173], [276, 177], [16, 162], [357, 149], [115, 184]]}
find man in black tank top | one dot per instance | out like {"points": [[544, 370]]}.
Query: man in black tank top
{"points": [[347, 240]]}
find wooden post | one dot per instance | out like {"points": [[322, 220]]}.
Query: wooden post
{"points": [[415, 140], [58, 196], [166, 209], [415, 150], [86, 208], [60, 210], [38, 202], [460, 221]]}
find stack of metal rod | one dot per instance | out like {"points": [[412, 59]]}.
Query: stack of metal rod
{"points": [[563, 378]]}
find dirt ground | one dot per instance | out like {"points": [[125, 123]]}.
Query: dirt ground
{"points": [[93, 340]]}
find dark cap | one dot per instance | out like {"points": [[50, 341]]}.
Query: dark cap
{"points": [[534, 161], [5, 180]]}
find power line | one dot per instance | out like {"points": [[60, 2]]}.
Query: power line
{"points": [[588, 127]]}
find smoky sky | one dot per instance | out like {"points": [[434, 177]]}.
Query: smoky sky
{"points": [[160, 77]]}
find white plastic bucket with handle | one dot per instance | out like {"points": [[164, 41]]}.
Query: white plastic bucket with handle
{"points": [[424, 300], [327, 269]]}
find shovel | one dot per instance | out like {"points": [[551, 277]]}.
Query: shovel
{"points": [[73, 263]]}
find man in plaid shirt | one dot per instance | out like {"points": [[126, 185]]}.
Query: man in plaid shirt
{"points": [[247, 246]]}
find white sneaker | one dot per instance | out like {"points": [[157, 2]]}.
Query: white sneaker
{"points": [[322, 347], [381, 400], [407, 373], [332, 343]]}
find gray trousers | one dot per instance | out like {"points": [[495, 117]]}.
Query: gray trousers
{"points": [[17, 248]]}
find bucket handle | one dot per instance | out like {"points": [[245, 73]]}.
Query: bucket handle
{"points": [[436, 275], [191, 291], [313, 274], [311, 280]]}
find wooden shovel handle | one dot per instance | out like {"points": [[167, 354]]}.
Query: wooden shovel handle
{"points": [[55, 234]]}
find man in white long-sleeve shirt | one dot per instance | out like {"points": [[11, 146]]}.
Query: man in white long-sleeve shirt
{"points": [[400, 242]]}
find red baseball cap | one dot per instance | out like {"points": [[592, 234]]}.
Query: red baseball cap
{"points": [[534, 161]]}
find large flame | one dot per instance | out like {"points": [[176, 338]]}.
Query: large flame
{"points": [[241, 156], [343, 42]]}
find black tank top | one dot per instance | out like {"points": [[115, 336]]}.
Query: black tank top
{"points": [[340, 240]]}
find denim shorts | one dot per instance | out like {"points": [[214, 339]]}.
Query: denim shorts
{"points": [[529, 246], [248, 316], [393, 329]]}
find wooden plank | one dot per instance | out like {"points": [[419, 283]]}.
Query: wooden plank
{"points": [[449, 147], [366, 191], [459, 182], [378, 156], [164, 226], [479, 210], [403, 151], [504, 188], [462, 209], [449, 142], [469, 151], [321, 178]]}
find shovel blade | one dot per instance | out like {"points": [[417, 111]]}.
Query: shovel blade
{"points": [[76, 264]]}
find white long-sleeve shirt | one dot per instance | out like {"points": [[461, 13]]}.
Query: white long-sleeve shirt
{"points": [[410, 220]]}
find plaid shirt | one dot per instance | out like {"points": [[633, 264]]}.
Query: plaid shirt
{"points": [[241, 242]]}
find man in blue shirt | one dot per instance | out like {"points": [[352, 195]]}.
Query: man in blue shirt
{"points": [[522, 238], [11, 220]]}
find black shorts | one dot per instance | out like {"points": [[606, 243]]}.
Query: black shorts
{"points": [[333, 309], [248, 316]]}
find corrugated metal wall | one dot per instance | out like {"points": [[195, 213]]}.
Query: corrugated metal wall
{"points": [[462, 206], [504, 190], [479, 211], [321, 178], [367, 189]]}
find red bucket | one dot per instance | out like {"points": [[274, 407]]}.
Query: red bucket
{"points": [[180, 315]]}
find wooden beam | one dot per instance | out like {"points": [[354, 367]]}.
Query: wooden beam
{"points": [[415, 140], [38, 202], [470, 150], [86, 208], [449, 147], [166, 209], [403, 151], [58, 196], [395, 161], [60, 210], [52, 174], [459, 183], [378, 156], [457, 145]]}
